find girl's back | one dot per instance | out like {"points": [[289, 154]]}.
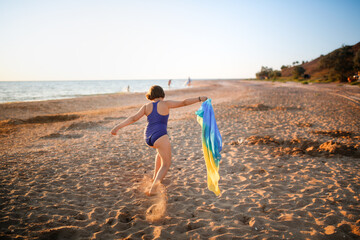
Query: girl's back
{"points": [[162, 108]]}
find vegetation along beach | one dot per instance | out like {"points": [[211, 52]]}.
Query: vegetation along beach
{"points": [[289, 168]]}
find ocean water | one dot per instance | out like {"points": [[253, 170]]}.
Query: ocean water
{"points": [[24, 91]]}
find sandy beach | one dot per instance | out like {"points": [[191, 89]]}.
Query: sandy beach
{"points": [[289, 169]]}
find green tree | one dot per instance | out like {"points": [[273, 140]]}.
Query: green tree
{"points": [[264, 73], [298, 71], [275, 74], [267, 73], [340, 62], [357, 61]]}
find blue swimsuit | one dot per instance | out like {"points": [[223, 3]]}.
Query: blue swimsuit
{"points": [[157, 126]]}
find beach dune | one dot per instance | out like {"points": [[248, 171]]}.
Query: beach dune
{"points": [[289, 169]]}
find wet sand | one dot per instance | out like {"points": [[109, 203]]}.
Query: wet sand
{"points": [[289, 169]]}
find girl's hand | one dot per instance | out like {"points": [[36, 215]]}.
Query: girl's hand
{"points": [[203, 98], [114, 131]]}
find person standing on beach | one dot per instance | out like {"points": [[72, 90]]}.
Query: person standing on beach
{"points": [[157, 112], [189, 82]]}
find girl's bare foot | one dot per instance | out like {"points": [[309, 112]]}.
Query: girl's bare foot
{"points": [[150, 194], [153, 179], [153, 189]]}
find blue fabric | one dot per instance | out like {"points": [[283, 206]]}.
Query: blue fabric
{"points": [[210, 129], [212, 144]]}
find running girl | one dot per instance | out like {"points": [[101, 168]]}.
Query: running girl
{"points": [[157, 112]]}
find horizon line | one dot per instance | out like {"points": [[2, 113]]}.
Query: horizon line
{"points": [[195, 79]]}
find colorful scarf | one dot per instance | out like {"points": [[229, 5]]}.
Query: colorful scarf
{"points": [[212, 144]]}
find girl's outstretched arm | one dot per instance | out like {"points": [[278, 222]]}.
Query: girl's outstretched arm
{"points": [[129, 120], [186, 102]]}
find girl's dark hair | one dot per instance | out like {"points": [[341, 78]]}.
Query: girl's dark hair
{"points": [[155, 92]]}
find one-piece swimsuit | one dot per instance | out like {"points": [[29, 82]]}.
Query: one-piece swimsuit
{"points": [[156, 127]]}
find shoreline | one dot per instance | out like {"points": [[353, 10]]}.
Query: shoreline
{"points": [[289, 168], [30, 109], [177, 84]]}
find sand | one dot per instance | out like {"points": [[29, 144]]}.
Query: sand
{"points": [[289, 169]]}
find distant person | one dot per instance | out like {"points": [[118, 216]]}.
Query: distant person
{"points": [[157, 113], [128, 88], [188, 82], [169, 83]]}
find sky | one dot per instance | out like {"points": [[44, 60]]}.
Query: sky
{"points": [[167, 39]]}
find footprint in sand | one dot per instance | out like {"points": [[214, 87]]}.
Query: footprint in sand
{"points": [[83, 126], [113, 118], [63, 136], [44, 119]]}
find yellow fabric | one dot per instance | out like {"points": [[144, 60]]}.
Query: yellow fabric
{"points": [[213, 176]]}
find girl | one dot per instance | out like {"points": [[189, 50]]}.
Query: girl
{"points": [[157, 112]]}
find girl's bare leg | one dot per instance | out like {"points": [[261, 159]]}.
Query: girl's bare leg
{"points": [[163, 147], [157, 164]]}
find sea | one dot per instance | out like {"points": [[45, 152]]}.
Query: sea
{"points": [[24, 91]]}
